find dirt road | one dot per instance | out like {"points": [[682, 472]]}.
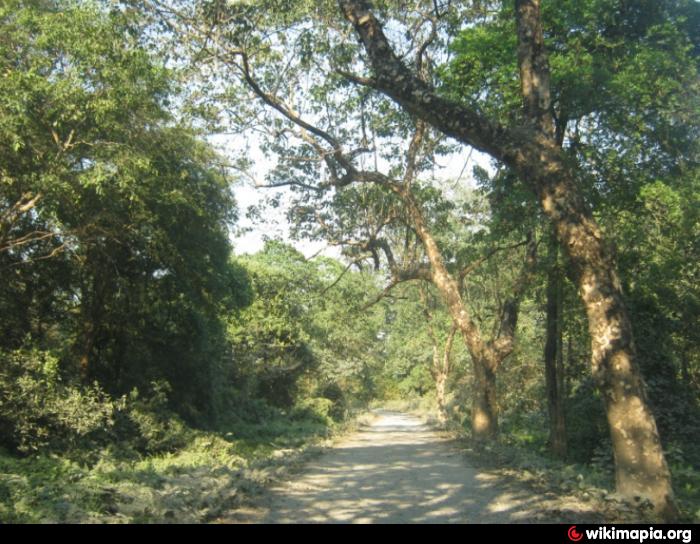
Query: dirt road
{"points": [[400, 471]]}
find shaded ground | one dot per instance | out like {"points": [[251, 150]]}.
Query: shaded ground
{"points": [[398, 470]]}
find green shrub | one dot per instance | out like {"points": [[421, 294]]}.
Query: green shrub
{"points": [[336, 395], [254, 410], [39, 411], [316, 409], [147, 426]]}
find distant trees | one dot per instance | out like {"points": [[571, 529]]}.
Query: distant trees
{"points": [[302, 337]]}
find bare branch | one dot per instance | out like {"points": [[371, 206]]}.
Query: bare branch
{"points": [[476, 264], [401, 276], [340, 277], [354, 78], [413, 150], [288, 184], [290, 114]]}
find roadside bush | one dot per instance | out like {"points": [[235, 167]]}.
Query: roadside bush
{"points": [[146, 425], [38, 411], [335, 394], [316, 409]]}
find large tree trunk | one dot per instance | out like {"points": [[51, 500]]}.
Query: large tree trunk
{"points": [[553, 355], [640, 466], [484, 402], [532, 152]]}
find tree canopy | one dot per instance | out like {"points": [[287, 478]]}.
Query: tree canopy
{"points": [[510, 192]]}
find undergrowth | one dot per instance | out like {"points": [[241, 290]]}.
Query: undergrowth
{"points": [[211, 474]]}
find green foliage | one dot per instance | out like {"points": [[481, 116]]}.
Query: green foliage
{"points": [[299, 340], [314, 409], [661, 264], [269, 339], [39, 411], [120, 264], [145, 425], [127, 327]]}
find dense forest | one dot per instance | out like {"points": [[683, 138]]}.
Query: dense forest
{"points": [[541, 300]]}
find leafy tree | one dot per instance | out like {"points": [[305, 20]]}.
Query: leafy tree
{"points": [[270, 339], [623, 83], [303, 337], [114, 216]]}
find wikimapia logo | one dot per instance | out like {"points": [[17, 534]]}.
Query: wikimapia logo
{"points": [[574, 535], [638, 535]]}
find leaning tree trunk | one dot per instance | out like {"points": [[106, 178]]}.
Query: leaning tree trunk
{"points": [[484, 361], [640, 466], [531, 151]]}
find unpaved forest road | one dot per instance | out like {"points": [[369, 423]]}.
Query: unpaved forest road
{"points": [[398, 470]]}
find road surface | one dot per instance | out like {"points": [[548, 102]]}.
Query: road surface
{"points": [[398, 470]]}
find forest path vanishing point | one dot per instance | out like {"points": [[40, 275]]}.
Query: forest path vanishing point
{"points": [[399, 470]]}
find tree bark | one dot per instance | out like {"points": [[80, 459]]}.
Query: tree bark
{"points": [[532, 152], [442, 372], [93, 295], [88, 344], [553, 356], [484, 402]]}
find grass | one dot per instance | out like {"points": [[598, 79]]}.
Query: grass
{"points": [[212, 475]]}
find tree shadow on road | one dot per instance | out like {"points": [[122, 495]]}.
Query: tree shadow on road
{"points": [[399, 471]]}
